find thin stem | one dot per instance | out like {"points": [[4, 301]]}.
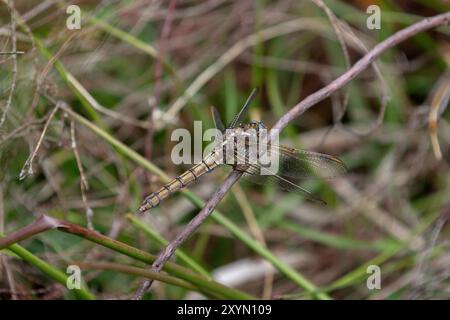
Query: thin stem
{"points": [[285, 269], [14, 68], [158, 75], [27, 169], [359, 66], [153, 235], [238, 48], [45, 223], [84, 186], [297, 110], [188, 230], [116, 267]]}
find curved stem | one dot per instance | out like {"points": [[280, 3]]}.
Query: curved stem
{"points": [[45, 223], [297, 110], [188, 230]]}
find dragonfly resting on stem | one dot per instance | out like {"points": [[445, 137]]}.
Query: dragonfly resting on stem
{"points": [[244, 147]]}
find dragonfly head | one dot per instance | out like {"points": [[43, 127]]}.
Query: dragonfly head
{"points": [[257, 125]]}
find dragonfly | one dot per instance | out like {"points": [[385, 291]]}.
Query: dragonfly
{"points": [[246, 156]]}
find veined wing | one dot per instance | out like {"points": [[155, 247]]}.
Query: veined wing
{"points": [[293, 165], [264, 176], [253, 174], [217, 121], [302, 164], [241, 114]]}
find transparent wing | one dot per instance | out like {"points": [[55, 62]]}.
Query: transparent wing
{"points": [[217, 121], [293, 165], [284, 183], [301, 164], [266, 176], [241, 115]]}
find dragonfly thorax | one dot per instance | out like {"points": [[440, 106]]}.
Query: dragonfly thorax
{"points": [[247, 148], [240, 147]]}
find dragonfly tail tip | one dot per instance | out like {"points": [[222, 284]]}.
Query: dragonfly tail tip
{"points": [[142, 209]]}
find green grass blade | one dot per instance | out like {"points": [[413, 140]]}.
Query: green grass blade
{"points": [[288, 271], [49, 270], [184, 257]]}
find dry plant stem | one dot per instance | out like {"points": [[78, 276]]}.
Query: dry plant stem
{"points": [[237, 49], [250, 218], [158, 74], [21, 130], [341, 28], [297, 110], [335, 23], [36, 10], [2, 210], [384, 99], [358, 67], [423, 261], [188, 230], [5, 269], [83, 181], [27, 168], [9, 277], [438, 104], [43, 223], [46, 223], [116, 267], [40, 79], [11, 52], [14, 57]]}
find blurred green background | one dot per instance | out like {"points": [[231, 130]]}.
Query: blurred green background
{"points": [[126, 72]]}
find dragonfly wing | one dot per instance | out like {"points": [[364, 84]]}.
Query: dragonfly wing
{"points": [[241, 115], [293, 165], [301, 164], [253, 174], [217, 121]]}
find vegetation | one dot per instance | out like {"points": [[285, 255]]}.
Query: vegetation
{"points": [[86, 118]]}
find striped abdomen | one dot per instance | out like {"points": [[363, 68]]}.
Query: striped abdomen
{"points": [[209, 163]]}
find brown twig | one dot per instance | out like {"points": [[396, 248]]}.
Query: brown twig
{"points": [[438, 104], [27, 169], [296, 111], [84, 186], [43, 223], [188, 230], [359, 66], [336, 24], [342, 30]]}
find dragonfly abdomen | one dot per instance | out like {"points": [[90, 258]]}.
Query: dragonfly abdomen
{"points": [[206, 165]]}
